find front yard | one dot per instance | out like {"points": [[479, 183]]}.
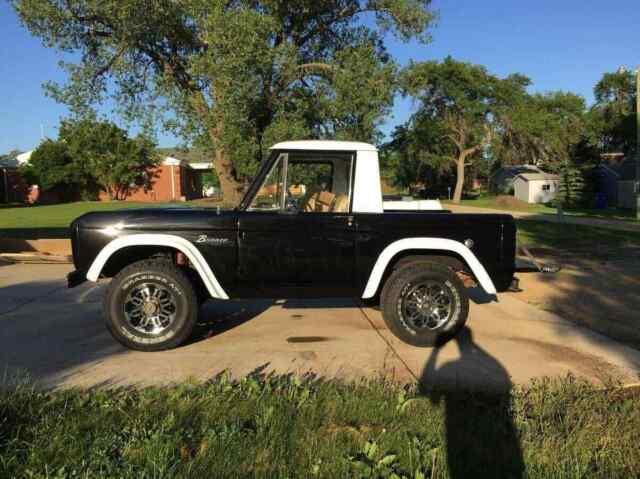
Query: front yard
{"points": [[52, 221], [495, 202], [282, 427]]}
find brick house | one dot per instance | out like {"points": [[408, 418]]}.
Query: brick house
{"points": [[172, 180]]}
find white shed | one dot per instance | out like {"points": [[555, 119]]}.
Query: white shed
{"points": [[536, 187]]}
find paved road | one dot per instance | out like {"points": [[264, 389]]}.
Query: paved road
{"points": [[57, 337], [618, 225]]}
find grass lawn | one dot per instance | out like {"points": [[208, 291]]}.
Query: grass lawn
{"points": [[52, 221], [573, 238], [277, 427], [606, 213]]}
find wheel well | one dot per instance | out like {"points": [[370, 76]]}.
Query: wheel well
{"points": [[132, 254], [452, 260]]}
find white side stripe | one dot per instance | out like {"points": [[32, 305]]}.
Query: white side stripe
{"points": [[181, 244], [427, 244]]}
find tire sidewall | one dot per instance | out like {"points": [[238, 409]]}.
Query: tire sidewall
{"points": [[124, 332]]}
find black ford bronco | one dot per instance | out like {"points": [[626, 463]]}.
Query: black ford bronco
{"points": [[313, 224]]}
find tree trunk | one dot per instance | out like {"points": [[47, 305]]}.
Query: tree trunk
{"points": [[457, 194], [232, 189]]}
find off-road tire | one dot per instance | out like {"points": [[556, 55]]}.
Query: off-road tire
{"points": [[166, 275], [415, 273]]}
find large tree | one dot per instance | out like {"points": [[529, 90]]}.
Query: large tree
{"points": [[543, 129], [614, 111], [233, 75], [466, 104]]}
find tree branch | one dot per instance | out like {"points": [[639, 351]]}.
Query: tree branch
{"points": [[105, 68]]}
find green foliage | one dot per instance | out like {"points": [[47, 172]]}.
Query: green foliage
{"points": [[90, 155], [543, 129], [462, 109], [475, 120], [209, 178], [287, 427], [234, 77], [112, 161], [614, 114], [52, 166], [572, 190]]}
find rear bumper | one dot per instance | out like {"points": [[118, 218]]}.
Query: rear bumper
{"points": [[76, 278]]}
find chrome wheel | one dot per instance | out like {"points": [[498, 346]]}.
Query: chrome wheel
{"points": [[150, 308], [427, 305]]}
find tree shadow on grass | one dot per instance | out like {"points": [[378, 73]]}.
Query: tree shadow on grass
{"points": [[598, 287], [481, 437]]}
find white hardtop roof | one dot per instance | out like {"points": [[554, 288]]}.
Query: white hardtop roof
{"points": [[324, 145]]}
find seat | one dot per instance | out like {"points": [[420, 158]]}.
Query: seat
{"points": [[318, 201], [341, 204]]}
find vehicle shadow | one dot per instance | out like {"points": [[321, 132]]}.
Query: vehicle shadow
{"points": [[216, 317], [481, 437], [49, 334]]}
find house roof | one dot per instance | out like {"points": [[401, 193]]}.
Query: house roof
{"points": [[189, 155], [18, 160], [324, 145], [538, 176], [515, 170]]}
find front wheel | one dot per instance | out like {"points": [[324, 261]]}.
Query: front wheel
{"points": [[151, 305], [424, 304]]}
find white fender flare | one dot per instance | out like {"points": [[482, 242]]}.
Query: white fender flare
{"points": [[426, 244], [172, 241]]}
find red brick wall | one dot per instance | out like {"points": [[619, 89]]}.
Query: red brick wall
{"points": [[161, 188], [186, 186]]}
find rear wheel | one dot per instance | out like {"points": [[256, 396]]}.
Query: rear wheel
{"points": [[151, 305], [424, 304]]}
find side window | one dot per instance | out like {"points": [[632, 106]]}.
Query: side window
{"points": [[270, 195], [319, 184]]}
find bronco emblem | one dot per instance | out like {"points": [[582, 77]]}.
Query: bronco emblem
{"points": [[213, 241]]}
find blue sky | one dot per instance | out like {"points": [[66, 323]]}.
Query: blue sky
{"points": [[559, 44]]}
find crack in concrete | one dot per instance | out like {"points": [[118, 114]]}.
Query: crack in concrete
{"points": [[389, 345]]}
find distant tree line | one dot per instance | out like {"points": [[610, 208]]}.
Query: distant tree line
{"points": [[470, 120], [234, 77]]}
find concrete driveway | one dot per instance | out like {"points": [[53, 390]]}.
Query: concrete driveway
{"points": [[57, 337]]}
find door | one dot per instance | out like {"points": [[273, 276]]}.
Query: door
{"points": [[297, 237]]}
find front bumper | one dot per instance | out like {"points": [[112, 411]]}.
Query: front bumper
{"points": [[76, 278]]}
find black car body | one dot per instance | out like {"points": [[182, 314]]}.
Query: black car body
{"points": [[284, 242]]}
